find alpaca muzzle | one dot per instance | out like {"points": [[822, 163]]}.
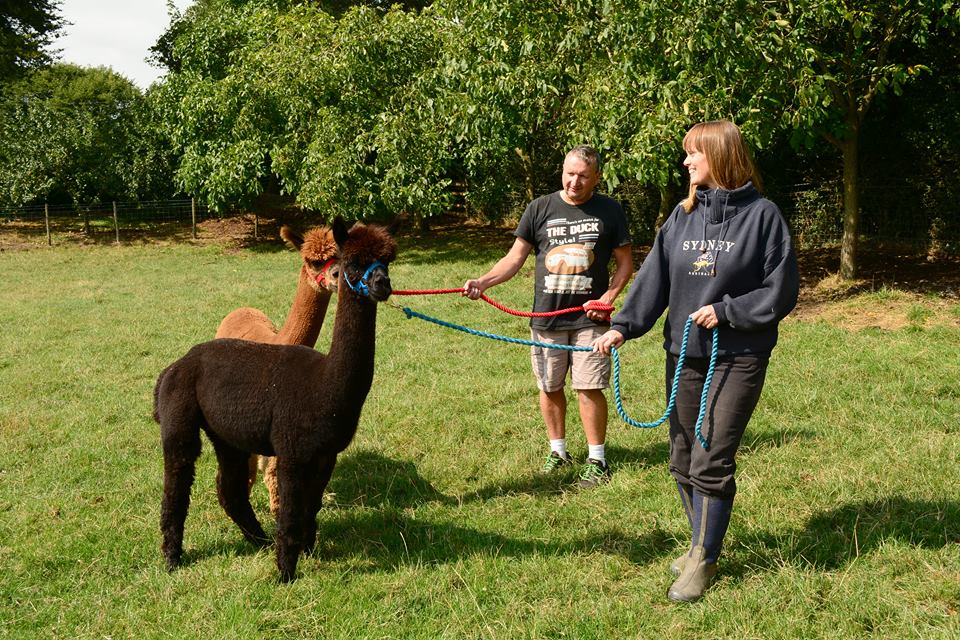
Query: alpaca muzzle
{"points": [[329, 275], [373, 284]]}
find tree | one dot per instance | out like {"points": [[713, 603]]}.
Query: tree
{"points": [[837, 58], [26, 30], [499, 91], [67, 131], [267, 91]]}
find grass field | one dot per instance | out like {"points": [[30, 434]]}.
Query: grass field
{"points": [[847, 523]]}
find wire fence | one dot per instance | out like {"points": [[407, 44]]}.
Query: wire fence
{"points": [[912, 216], [915, 217], [110, 221]]}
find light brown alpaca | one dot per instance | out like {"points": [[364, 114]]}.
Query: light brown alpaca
{"points": [[319, 272]]}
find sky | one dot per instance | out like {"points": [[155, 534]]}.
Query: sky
{"points": [[114, 33]]}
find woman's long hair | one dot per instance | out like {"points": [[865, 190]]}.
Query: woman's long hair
{"points": [[731, 164]]}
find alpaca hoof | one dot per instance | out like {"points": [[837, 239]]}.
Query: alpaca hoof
{"points": [[286, 577], [259, 541], [173, 563]]}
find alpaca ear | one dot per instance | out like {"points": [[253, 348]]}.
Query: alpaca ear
{"points": [[291, 236], [340, 232], [394, 226]]}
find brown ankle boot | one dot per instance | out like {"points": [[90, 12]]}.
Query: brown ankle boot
{"points": [[694, 578]]}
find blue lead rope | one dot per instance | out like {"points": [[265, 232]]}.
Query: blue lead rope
{"points": [[671, 403]]}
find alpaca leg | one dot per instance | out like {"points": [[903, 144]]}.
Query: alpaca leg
{"points": [[252, 472], [269, 466], [181, 448], [232, 491], [315, 495], [292, 482]]}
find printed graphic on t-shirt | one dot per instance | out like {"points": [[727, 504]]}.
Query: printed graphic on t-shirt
{"points": [[570, 255]]}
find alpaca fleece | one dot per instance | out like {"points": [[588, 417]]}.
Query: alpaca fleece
{"points": [[317, 247], [283, 400]]}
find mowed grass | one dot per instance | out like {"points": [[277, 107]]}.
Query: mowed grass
{"points": [[847, 521]]}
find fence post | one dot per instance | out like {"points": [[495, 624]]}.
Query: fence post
{"points": [[116, 225], [46, 219], [193, 217]]}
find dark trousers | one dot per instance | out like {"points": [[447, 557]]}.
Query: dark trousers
{"points": [[734, 392]]}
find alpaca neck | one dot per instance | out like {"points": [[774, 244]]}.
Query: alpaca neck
{"points": [[352, 347], [305, 319]]}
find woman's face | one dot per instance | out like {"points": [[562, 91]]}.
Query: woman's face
{"points": [[699, 168]]}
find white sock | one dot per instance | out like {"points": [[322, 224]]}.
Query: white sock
{"points": [[560, 446], [596, 452]]}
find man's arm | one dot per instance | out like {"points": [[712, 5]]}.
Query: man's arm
{"points": [[621, 275], [505, 269]]}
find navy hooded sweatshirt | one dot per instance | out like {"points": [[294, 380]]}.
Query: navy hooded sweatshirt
{"points": [[732, 251]]}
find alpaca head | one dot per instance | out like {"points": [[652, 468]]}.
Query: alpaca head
{"points": [[320, 254], [365, 253]]}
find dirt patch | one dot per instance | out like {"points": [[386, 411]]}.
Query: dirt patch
{"points": [[897, 290], [887, 310], [880, 268]]}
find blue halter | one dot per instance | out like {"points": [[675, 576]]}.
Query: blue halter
{"points": [[361, 286]]}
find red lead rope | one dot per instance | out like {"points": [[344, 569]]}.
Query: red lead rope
{"points": [[592, 305]]}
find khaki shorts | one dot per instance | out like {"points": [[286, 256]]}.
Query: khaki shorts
{"points": [[588, 369]]}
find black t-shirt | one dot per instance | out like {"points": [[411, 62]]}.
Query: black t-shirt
{"points": [[573, 245]]}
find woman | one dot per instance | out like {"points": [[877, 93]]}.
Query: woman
{"points": [[725, 259]]}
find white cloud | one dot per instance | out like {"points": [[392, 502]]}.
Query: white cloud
{"points": [[116, 34]]}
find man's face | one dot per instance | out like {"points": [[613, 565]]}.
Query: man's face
{"points": [[579, 180]]}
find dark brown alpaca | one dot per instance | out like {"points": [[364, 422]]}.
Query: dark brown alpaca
{"points": [[319, 271], [283, 400]]}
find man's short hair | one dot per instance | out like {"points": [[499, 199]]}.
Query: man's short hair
{"points": [[586, 153]]}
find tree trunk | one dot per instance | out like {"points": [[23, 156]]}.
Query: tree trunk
{"points": [[666, 205], [851, 205], [526, 162]]}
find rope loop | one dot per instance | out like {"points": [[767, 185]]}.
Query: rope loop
{"points": [[671, 403]]}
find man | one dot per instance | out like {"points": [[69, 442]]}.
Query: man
{"points": [[573, 233]]}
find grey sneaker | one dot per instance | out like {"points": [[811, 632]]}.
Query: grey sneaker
{"points": [[555, 461], [594, 473]]}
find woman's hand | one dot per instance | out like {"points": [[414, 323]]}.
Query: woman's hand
{"points": [[706, 317], [612, 338]]}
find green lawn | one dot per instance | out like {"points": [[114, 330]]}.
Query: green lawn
{"points": [[847, 523]]}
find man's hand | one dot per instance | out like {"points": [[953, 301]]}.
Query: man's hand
{"points": [[472, 289]]}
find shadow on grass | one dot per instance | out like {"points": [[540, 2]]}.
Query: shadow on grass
{"points": [[454, 243], [368, 479], [833, 539], [767, 439], [370, 521], [231, 545], [387, 538]]}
